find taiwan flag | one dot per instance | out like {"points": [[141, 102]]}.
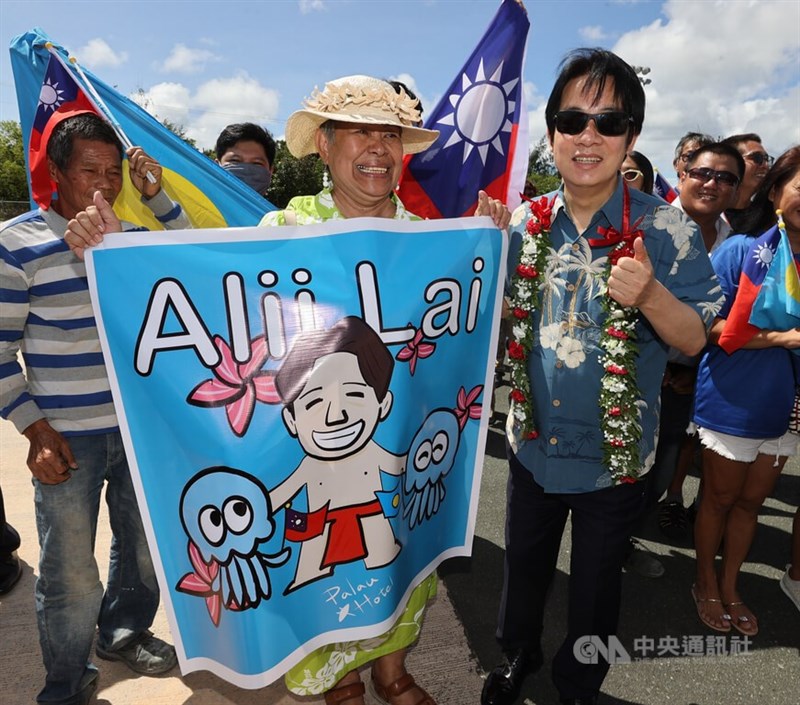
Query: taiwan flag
{"points": [[483, 141], [60, 97], [662, 187], [768, 297]]}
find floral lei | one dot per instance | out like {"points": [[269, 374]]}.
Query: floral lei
{"points": [[619, 393]]}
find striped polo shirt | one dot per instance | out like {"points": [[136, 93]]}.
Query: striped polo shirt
{"points": [[46, 314]]}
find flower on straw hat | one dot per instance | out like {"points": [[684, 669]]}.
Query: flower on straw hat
{"points": [[358, 99]]}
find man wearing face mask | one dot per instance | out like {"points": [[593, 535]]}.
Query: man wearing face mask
{"points": [[247, 151]]}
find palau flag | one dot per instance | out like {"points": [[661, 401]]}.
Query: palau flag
{"points": [[48, 90], [662, 187], [768, 297], [777, 306], [483, 141]]}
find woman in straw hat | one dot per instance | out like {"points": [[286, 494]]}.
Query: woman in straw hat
{"points": [[362, 127]]}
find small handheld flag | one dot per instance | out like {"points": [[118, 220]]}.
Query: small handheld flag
{"points": [[768, 297]]}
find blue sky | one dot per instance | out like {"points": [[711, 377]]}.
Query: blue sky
{"points": [[720, 67]]}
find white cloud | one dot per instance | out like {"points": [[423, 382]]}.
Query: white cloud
{"points": [[183, 59], [97, 54], [307, 6], [593, 33], [213, 105], [721, 68], [717, 67]]}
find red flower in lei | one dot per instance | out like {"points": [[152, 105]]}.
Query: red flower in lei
{"points": [[619, 392], [525, 298]]}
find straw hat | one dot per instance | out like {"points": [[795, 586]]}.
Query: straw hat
{"points": [[357, 99]]}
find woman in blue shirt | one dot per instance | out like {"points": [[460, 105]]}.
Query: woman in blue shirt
{"points": [[742, 405]]}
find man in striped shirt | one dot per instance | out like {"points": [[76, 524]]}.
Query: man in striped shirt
{"points": [[61, 402]]}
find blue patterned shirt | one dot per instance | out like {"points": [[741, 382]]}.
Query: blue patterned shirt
{"points": [[564, 365]]}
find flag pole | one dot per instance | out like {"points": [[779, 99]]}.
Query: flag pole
{"points": [[98, 103]]}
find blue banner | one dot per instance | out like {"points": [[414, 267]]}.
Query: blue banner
{"points": [[305, 412]]}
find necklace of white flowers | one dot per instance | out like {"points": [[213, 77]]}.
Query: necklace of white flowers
{"points": [[619, 393]]}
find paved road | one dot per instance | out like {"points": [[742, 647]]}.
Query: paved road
{"points": [[656, 609]]}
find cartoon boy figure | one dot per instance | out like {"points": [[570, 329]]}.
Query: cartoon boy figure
{"points": [[334, 385]]}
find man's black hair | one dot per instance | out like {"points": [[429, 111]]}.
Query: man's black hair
{"points": [[723, 149], [599, 66], [87, 126], [246, 131]]}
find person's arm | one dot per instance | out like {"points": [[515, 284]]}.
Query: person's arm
{"points": [[166, 211], [789, 339], [50, 457], [632, 283]]}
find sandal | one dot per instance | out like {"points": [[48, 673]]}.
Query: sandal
{"points": [[384, 694], [698, 601], [743, 624], [343, 693]]}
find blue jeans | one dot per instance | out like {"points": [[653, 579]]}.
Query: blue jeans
{"points": [[70, 600]]}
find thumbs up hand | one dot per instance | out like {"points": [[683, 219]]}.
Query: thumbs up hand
{"points": [[631, 281], [88, 227]]}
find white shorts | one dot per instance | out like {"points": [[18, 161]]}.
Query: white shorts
{"points": [[745, 450]]}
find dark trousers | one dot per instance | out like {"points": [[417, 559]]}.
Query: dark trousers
{"points": [[602, 523], [9, 538]]}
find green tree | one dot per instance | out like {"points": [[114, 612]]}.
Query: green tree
{"points": [[14, 195], [294, 177], [541, 167]]}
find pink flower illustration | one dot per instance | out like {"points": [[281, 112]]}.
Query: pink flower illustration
{"points": [[237, 386], [416, 349]]}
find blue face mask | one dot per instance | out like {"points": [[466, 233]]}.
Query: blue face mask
{"points": [[255, 176]]}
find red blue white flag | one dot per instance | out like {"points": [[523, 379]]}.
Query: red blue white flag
{"points": [[60, 97], [483, 140], [662, 187], [768, 297]]}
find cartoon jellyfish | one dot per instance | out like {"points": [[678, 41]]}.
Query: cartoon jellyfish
{"points": [[227, 515], [431, 456]]}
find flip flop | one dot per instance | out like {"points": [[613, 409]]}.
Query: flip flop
{"points": [[742, 624], [699, 600]]}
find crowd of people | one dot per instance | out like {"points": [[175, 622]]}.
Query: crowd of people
{"points": [[655, 303]]}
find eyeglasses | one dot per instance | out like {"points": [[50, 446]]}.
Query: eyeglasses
{"points": [[631, 174], [686, 157], [573, 122], [705, 174], [759, 158]]}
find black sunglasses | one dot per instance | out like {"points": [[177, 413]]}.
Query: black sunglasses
{"points": [[573, 122], [704, 174], [760, 158]]}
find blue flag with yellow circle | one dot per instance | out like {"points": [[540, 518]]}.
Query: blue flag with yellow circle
{"points": [[210, 196]]}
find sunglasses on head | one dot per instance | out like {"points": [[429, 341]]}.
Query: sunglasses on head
{"points": [[573, 122], [631, 174], [759, 158], [705, 174]]}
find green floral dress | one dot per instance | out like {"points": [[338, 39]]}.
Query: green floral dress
{"points": [[323, 668]]}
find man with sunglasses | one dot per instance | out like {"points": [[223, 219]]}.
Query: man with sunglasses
{"points": [[756, 165], [686, 147], [594, 115], [708, 186]]}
